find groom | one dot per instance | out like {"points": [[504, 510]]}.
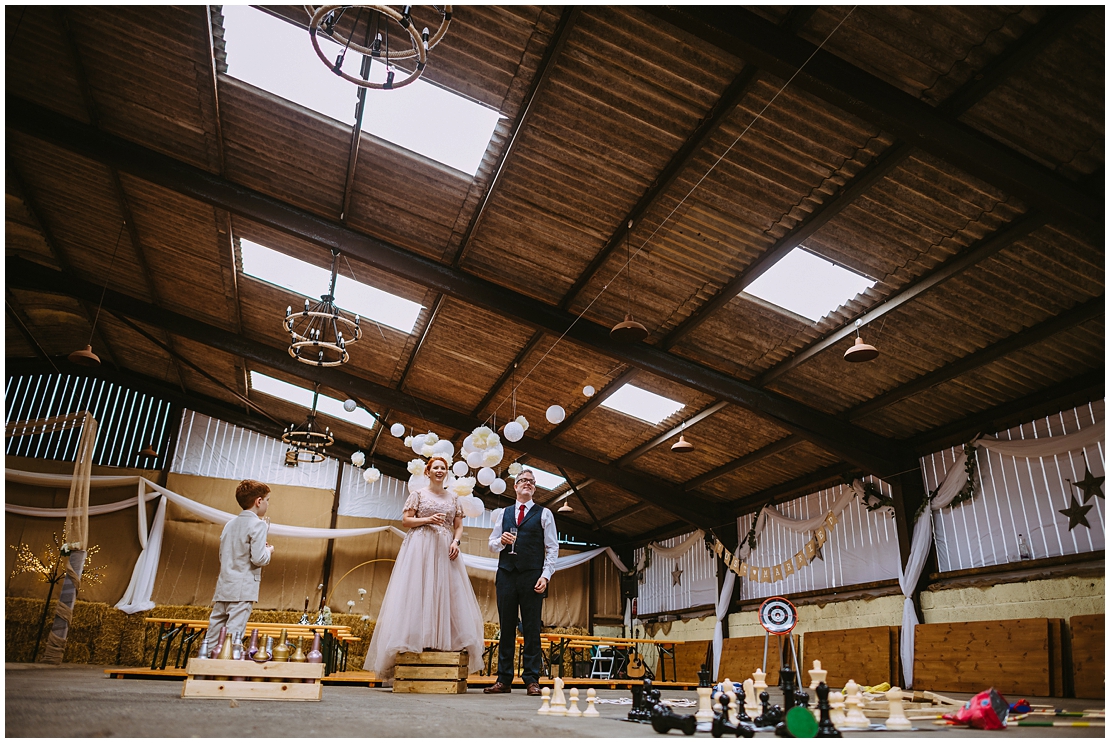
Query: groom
{"points": [[522, 580]]}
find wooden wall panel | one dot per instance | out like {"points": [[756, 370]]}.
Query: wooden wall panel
{"points": [[1014, 656], [868, 655], [1088, 655], [740, 656], [689, 658]]}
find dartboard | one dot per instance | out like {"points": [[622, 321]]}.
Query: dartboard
{"points": [[778, 616]]}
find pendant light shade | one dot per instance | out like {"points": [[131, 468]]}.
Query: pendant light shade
{"points": [[148, 451], [565, 508], [628, 331], [682, 446], [84, 357], [860, 351]]}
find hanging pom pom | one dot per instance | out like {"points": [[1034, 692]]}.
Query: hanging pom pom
{"points": [[371, 475], [358, 459]]}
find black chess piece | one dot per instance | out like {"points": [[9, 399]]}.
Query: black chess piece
{"points": [[705, 677], [771, 714], [801, 698], [643, 699], [786, 681], [741, 700], [721, 725], [664, 719], [825, 727]]}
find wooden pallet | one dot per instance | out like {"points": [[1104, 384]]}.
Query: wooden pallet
{"points": [[281, 680], [431, 672]]}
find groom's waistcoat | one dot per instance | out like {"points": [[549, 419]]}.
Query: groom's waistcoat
{"points": [[529, 539]]}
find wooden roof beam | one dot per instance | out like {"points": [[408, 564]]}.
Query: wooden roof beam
{"points": [[836, 81], [874, 453], [25, 274]]}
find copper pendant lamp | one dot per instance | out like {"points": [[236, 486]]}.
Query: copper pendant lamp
{"points": [[628, 331], [682, 446], [860, 351], [565, 508], [148, 451], [84, 357]]}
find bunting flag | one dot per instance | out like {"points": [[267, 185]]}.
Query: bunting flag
{"points": [[775, 573]]}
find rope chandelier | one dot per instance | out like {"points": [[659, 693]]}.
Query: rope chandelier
{"points": [[321, 333], [306, 442], [326, 18]]}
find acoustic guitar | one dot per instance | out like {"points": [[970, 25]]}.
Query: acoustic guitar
{"points": [[636, 668]]}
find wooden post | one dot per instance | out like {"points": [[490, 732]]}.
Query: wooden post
{"points": [[326, 577]]}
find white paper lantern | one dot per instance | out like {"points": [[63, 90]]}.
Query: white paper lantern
{"points": [[349, 405], [497, 487], [486, 476], [397, 429], [460, 468], [588, 391], [472, 506], [444, 448], [492, 457], [468, 444], [514, 431], [474, 459], [556, 414], [417, 443], [418, 482]]}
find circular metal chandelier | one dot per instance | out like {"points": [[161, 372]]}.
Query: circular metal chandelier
{"points": [[321, 333], [307, 443], [327, 17]]}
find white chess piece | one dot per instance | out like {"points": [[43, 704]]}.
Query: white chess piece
{"points": [[572, 708], [558, 701], [545, 708], [591, 710], [751, 700], [836, 709], [760, 683], [816, 676], [705, 708], [855, 718], [897, 719]]}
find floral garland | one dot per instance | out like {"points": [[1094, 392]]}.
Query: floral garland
{"points": [[967, 492], [873, 498]]}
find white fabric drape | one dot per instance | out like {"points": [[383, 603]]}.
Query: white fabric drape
{"points": [[954, 480], [800, 526], [721, 610], [679, 549], [141, 587], [47, 480]]}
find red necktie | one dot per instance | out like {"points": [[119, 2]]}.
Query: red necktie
{"points": [[520, 516]]}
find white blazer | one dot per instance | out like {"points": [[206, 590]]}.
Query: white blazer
{"points": [[242, 554]]}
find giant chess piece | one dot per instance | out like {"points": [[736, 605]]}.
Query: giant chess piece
{"points": [[897, 719], [836, 714], [664, 719], [771, 715], [572, 708], [558, 701], [545, 707], [751, 700], [742, 703], [591, 710], [825, 727], [705, 709], [721, 719], [786, 681], [856, 718]]}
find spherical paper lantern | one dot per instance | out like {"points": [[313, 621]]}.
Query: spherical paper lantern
{"points": [[349, 405], [486, 476], [418, 443], [514, 431], [460, 468], [397, 429], [444, 448], [556, 414], [497, 487], [588, 391], [474, 459], [417, 482]]}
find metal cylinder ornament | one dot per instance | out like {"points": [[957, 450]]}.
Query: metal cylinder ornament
{"points": [[314, 655]]}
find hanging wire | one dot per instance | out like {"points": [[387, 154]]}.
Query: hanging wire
{"points": [[682, 201], [106, 280]]}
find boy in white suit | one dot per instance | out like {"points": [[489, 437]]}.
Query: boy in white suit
{"points": [[243, 552]]}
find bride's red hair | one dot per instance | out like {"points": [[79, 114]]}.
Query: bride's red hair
{"points": [[428, 466]]}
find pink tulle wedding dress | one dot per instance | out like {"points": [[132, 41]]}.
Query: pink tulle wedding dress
{"points": [[429, 603]]}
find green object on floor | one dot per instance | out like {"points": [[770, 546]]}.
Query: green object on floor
{"points": [[800, 723]]}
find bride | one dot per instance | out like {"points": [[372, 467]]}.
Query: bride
{"points": [[429, 604]]}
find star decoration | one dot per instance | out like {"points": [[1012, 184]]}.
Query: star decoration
{"points": [[819, 554], [1090, 485], [676, 576], [1076, 514]]}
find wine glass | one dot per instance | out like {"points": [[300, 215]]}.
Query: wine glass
{"points": [[513, 531]]}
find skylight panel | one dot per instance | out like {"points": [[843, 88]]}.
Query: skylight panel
{"points": [[546, 480], [808, 285], [301, 396], [641, 404], [277, 56], [311, 281]]}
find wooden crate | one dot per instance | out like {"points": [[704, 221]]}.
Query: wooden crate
{"points": [[1017, 656], [740, 656], [868, 655], [431, 672], [290, 681], [1088, 655]]}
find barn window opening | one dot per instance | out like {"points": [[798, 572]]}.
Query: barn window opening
{"points": [[808, 285], [641, 404], [302, 396]]}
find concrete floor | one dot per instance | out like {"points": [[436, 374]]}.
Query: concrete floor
{"points": [[80, 701]]}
